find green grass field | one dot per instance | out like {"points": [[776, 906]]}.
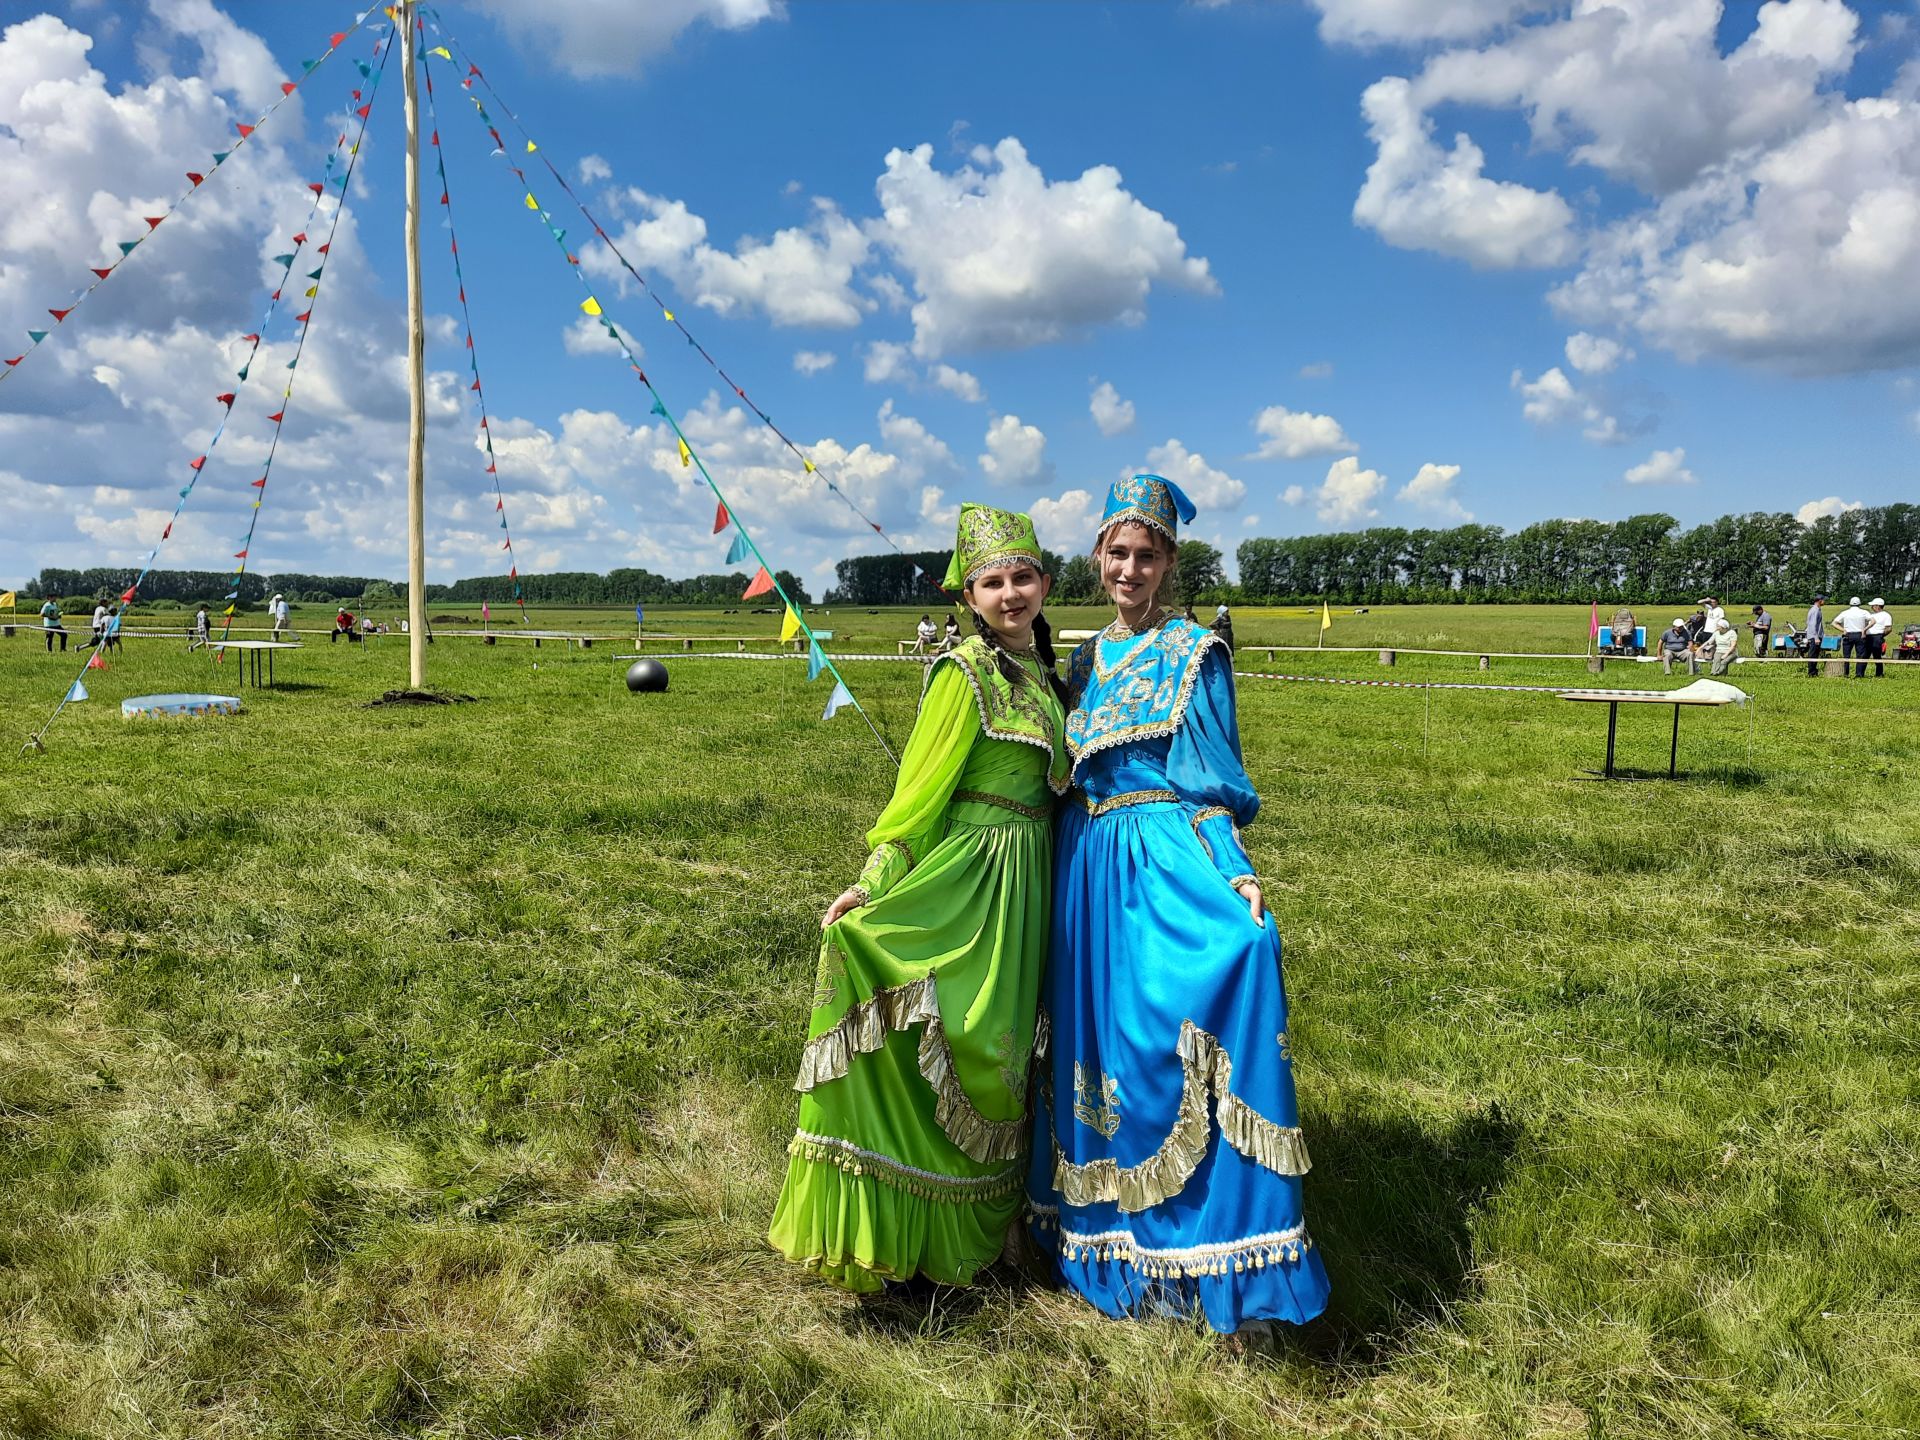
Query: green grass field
{"points": [[373, 1072]]}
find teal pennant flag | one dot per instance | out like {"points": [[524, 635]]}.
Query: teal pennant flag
{"points": [[739, 550], [816, 661]]}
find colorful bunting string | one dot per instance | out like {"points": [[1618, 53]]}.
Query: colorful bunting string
{"points": [[383, 51], [195, 179], [197, 465], [808, 465], [763, 581], [473, 355]]}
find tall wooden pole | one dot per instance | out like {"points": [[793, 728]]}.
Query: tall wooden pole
{"points": [[416, 377]]}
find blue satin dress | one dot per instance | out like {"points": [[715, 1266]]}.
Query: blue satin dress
{"points": [[1167, 1154]]}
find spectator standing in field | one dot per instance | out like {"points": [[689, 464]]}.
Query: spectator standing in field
{"points": [[1814, 640], [1879, 627], [278, 609], [925, 634], [50, 622], [202, 629], [1676, 644], [1710, 612], [1223, 627], [1721, 644], [113, 629], [1853, 635], [1762, 627], [97, 627]]}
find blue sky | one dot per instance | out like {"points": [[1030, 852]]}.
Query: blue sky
{"points": [[1340, 262]]}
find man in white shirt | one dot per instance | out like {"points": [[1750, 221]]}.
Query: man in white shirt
{"points": [[1714, 613], [278, 609], [1879, 627], [1853, 635], [99, 626]]}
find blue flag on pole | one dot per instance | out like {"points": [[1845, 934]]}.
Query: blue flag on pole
{"points": [[836, 700], [739, 550], [816, 662], [79, 692], [639, 613]]}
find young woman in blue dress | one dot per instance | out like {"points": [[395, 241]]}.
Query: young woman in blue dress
{"points": [[1167, 1155]]}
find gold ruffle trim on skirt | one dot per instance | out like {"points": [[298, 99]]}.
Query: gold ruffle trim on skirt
{"points": [[864, 1029], [1207, 1073], [1255, 1252], [896, 1174]]}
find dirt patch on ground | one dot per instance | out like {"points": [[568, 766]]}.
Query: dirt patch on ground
{"points": [[418, 697]]}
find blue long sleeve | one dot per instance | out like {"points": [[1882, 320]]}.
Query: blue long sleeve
{"points": [[1205, 770]]}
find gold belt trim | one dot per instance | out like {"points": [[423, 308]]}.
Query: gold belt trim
{"points": [[980, 797], [1120, 802]]}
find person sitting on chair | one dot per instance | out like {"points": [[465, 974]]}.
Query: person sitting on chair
{"points": [[1676, 644]]}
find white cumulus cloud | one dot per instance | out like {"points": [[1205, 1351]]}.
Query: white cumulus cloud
{"points": [[1015, 451], [1595, 354], [1820, 509], [1295, 434], [1065, 523], [1663, 467], [958, 382], [1553, 399], [1431, 489], [594, 38], [1347, 494], [1111, 414], [1403, 22], [886, 361], [1000, 257], [812, 362], [593, 169], [1209, 488]]}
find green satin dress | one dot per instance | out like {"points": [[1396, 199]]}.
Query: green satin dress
{"points": [[913, 1125]]}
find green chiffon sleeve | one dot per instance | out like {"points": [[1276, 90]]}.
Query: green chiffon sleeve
{"points": [[948, 724]]}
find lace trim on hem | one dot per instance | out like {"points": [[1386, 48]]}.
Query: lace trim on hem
{"points": [[864, 1029], [1253, 1252], [1207, 1072], [897, 1175]]}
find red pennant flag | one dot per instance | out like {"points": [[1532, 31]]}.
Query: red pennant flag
{"points": [[245, 130], [94, 662], [239, 554], [506, 545], [463, 294], [301, 318], [314, 186], [276, 295], [436, 137], [61, 314], [153, 222], [287, 87], [473, 69], [362, 111], [254, 338], [762, 583], [277, 416], [469, 340], [719, 518], [16, 360], [876, 529], [168, 531], [334, 42], [499, 504], [301, 238], [259, 484], [126, 595], [98, 271], [196, 464], [195, 177], [491, 470], [513, 572], [226, 399], [443, 197], [474, 386]]}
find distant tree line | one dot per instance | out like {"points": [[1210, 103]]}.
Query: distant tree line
{"points": [[1870, 551], [619, 587]]}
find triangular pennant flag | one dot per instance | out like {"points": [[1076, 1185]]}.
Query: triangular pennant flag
{"points": [[126, 596], [220, 156], [126, 246], [61, 314], [315, 274], [835, 701], [301, 318], [333, 41], [739, 550], [287, 87], [686, 455], [790, 625], [531, 147], [153, 221], [101, 273], [300, 238], [808, 463], [239, 554], [816, 660], [441, 51], [277, 416], [532, 204], [253, 337], [36, 336], [94, 662], [259, 484], [668, 314], [316, 187], [762, 583], [197, 462], [226, 399], [286, 259], [719, 518], [245, 130], [169, 530], [325, 248], [16, 359], [76, 691], [308, 64]]}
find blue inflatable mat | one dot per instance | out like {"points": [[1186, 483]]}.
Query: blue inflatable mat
{"points": [[180, 705]]}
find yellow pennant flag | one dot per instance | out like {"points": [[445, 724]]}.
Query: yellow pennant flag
{"points": [[7, 599], [1326, 616], [686, 455], [590, 305], [790, 626], [808, 463], [667, 313], [312, 291], [442, 52], [531, 147], [532, 204]]}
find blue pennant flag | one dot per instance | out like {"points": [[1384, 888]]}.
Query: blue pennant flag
{"points": [[639, 613], [816, 662], [836, 700], [77, 691], [739, 550]]}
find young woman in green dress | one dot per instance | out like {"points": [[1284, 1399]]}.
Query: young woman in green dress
{"points": [[913, 1083]]}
